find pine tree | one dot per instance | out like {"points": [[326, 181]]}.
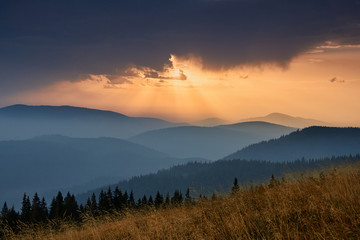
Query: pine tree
{"points": [[125, 199], [57, 207], [4, 211], [9, 218], [235, 188], [71, 208], [167, 199], [13, 219], [26, 209], [144, 201], [274, 182], [36, 213], [88, 204], [110, 201], [93, 206], [150, 201], [131, 199], [118, 199], [177, 198], [103, 202], [159, 200], [43, 209]]}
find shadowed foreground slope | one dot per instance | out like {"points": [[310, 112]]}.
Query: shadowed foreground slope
{"points": [[319, 206]]}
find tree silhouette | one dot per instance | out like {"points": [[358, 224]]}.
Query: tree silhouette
{"points": [[71, 208], [131, 199], [144, 201], [159, 200], [117, 199], [150, 201], [57, 207], [36, 211], [177, 198], [26, 209], [235, 188]]}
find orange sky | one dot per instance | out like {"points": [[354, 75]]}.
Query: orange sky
{"points": [[323, 84]]}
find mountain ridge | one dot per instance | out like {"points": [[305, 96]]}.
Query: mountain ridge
{"points": [[25, 121], [208, 142], [311, 142], [287, 120]]}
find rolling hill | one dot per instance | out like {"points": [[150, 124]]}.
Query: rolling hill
{"points": [[287, 120], [312, 142], [23, 121], [209, 142], [49, 163]]}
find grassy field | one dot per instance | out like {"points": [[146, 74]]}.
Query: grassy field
{"points": [[310, 206]]}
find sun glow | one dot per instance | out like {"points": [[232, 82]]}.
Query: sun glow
{"points": [[317, 84]]}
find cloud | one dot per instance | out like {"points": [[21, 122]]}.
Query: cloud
{"points": [[113, 79], [335, 79], [50, 41], [151, 74], [155, 74], [108, 81]]}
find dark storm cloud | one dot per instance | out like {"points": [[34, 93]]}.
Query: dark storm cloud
{"points": [[44, 41]]}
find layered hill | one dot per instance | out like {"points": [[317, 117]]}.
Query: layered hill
{"points": [[287, 120], [312, 142], [209, 142], [22, 122], [49, 163]]}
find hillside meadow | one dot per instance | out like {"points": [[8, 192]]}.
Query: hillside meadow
{"points": [[313, 205]]}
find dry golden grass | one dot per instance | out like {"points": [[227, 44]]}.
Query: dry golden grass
{"points": [[321, 206]]}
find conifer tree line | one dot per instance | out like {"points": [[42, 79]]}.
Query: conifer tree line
{"points": [[35, 210]]}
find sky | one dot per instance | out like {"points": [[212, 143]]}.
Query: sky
{"points": [[184, 60]]}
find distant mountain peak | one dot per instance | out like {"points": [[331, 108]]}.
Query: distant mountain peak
{"points": [[277, 114], [287, 120], [210, 122]]}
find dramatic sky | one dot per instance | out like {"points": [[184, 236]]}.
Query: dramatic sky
{"points": [[183, 60]]}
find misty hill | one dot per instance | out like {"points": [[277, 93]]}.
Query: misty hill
{"points": [[287, 120], [49, 163], [22, 122], [210, 122], [312, 142], [218, 176], [209, 142]]}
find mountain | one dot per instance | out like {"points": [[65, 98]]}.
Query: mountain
{"points": [[218, 176], [287, 120], [49, 163], [210, 122], [209, 142], [22, 122], [312, 142]]}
